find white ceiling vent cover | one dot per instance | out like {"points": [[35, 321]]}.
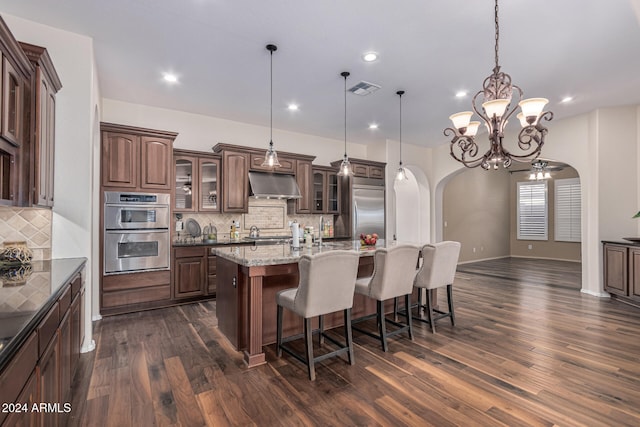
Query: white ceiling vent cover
{"points": [[363, 88]]}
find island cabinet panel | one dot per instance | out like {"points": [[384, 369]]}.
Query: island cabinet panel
{"points": [[229, 313], [212, 276], [235, 178]]}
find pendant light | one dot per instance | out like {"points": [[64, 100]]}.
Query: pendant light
{"points": [[271, 157], [401, 175], [345, 166]]}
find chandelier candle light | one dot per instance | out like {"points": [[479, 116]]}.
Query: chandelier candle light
{"points": [[539, 171], [345, 166], [271, 157], [495, 112], [401, 175]]}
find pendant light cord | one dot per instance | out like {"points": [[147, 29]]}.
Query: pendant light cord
{"points": [[271, 105], [345, 113], [400, 93]]}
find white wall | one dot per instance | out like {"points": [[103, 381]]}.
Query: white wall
{"points": [[198, 132], [72, 55]]}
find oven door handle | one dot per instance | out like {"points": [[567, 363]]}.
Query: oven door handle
{"points": [[145, 231]]}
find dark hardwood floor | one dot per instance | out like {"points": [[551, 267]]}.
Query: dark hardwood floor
{"points": [[527, 349]]}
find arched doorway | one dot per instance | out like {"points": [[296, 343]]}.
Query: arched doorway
{"points": [[413, 207]]}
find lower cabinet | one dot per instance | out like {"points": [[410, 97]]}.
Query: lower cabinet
{"points": [[194, 273], [622, 271], [123, 293], [42, 370]]}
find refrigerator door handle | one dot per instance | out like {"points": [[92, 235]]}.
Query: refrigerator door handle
{"points": [[355, 217]]}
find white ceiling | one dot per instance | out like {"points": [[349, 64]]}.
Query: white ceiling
{"points": [[588, 49]]}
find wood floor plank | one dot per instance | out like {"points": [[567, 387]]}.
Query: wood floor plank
{"points": [[528, 349]]}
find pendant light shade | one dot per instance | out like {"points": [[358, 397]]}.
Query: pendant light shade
{"points": [[345, 166], [271, 156], [401, 175]]}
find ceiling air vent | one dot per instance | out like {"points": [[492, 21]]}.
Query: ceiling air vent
{"points": [[364, 88]]}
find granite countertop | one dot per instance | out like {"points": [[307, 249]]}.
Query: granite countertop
{"points": [[623, 242], [253, 256], [23, 304], [190, 241]]}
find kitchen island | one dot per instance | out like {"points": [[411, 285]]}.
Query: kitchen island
{"points": [[249, 278]]}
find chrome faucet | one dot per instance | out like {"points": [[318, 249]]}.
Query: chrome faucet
{"points": [[320, 231]]}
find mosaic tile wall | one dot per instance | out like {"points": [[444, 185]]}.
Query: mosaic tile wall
{"points": [[31, 225], [270, 216]]}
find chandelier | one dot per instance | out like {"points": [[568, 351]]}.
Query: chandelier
{"points": [[495, 111], [539, 171]]}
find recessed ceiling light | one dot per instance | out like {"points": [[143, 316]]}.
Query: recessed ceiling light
{"points": [[373, 126], [293, 107], [461, 94], [566, 99], [170, 78], [370, 56]]}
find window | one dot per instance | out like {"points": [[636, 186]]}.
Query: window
{"points": [[567, 210], [532, 210]]}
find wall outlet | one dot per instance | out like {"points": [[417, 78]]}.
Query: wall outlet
{"points": [[530, 247], [474, 250]]}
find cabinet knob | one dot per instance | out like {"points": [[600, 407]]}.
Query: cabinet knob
{"points": [[234, 282]]}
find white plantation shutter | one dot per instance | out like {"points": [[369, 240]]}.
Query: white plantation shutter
{"points": [[532, 210], [567, 207]]}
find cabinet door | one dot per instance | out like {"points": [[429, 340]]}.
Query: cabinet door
{"points": [[318, 192], [615, 269], [235, 195], [209, 173], [8, 174], [44, 153], [212, 275], [155, 164], [303, 178], [51, 138], [76, 337], [50, 381], [190, 277], [11, 103], [332, 193], [634, 273], [64, 336], [287, 165], [28, 396], [186, 190], [360, 170], [119, 160]]}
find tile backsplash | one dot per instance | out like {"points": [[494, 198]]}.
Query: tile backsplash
{"points": [[31, 225], [269, 215]]}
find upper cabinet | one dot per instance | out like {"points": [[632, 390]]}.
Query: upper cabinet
{"points": [[366, 168], [326, 191], [136, 158], [45, 83], [287, 165], [197, 180], [15, 121], [304, 180], [235, 182]]}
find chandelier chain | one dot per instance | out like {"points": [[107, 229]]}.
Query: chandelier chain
{"points": [[497, 35]]}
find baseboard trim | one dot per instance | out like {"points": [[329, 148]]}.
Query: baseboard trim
{"points": [[542, 257], [595, 294], [484, 259], [89, 347], [96, 317]]}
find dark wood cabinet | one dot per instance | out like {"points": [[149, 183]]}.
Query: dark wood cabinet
{"points": [[212, 277], [197, 180], [64, 337], [77, 331], [365, 168], [235, 182], [50, 380], [304, 177], [29, 396], [123, 293], [287, 165], [190, 274], [622, 271], [12, 99], [44, 86], [326, 191], [136, 158]]}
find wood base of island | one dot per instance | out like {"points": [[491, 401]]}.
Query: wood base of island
{"points": [[246, 305]]}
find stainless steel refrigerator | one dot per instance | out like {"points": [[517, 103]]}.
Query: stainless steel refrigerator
{"points": [[367, 207]]}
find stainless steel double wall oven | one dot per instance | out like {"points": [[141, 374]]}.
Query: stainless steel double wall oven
{"points": [[136, 232]]}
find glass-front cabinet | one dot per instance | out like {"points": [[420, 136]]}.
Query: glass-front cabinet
{"points": [[184, 191], [209, 169], [326, 194], [197, 182]]}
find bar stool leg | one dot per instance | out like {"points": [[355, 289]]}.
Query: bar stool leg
{"points": [[348, 335], [407, 303], [308, 340], [321, 328], [450, 300], [430, 311], [279, 332], [383, 327], [395, 309]]}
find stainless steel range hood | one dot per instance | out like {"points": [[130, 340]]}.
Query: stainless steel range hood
{"points": [[266, 185]]}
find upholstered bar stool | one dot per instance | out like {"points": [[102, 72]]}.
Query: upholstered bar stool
{"points": [[393, 272], [327, 282], [438, 270]]}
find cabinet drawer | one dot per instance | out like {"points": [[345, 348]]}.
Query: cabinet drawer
{"points": [[17, 373], [212, 265], [65, 301], [48, 327], [136, 296], [119, 282], [189, 252]]}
